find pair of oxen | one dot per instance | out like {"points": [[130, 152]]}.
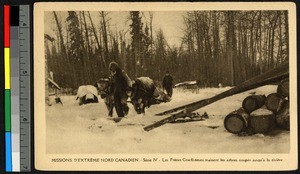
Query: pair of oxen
{"points": [[142, 95]]}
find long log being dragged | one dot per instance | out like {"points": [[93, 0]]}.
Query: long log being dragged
{"points": [[275, 75], [237, 121], [262, 121], [274, 102], [253, 102], [284, 88]]}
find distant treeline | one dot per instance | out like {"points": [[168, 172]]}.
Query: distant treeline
{"points": [[225, 47]]}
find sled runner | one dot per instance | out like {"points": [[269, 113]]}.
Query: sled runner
{"points": [[192, 117]]}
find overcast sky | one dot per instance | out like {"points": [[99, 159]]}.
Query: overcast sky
{"points": [[170, 22]]}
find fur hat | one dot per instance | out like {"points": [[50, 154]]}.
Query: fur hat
{"points": [[113, 66]]}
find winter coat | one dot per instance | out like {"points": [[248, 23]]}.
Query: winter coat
{"points": [[121, 82], [167, 81]]}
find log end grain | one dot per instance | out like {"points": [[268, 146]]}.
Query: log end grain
{"points": [[253, 102], [236, 122], [262, 121], [274, 101]]}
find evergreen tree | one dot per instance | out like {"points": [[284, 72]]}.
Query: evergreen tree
{"points": [[137, 41], [146, 65], [76, 50], [160, 54]]}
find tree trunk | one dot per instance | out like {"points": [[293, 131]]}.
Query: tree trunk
{"points": [[287, 34], [274, 102], [262, 121], [86, 59], [272, 39], [253, 102], [97, 40], [279, 50], [237, 121], [104, 34], [68, 80]]}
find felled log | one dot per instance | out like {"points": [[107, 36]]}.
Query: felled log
{"points": [[284, 88], [253, 102], [275, 75], [271, 76], [274, 102], [283, 116], [237, 121], [262, 121]]}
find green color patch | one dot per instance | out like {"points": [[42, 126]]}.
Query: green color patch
{"points": [[7, 111]]}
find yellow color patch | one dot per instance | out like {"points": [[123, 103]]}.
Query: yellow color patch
{"points": [[7, 67]]}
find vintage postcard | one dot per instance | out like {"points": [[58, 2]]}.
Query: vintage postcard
{"points": [[165, 86]]}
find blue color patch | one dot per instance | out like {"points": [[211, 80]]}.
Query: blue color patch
{"points": [[8, 152]]}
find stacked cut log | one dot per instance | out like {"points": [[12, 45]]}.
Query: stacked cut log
{"points": [[237, 121], [262, 121], [261, 114], [253, 102]]}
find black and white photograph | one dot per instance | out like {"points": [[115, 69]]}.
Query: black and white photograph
{"points": [[185, 83]]}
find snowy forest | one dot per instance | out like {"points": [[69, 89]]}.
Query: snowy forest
{"points": [[226, 47]]}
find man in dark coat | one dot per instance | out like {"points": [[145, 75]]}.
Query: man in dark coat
{"points": [[168, 84], [121, 83]]}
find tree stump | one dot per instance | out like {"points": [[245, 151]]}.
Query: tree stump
{"points": [[283, 116], [237, 121], [262, 121], [253, 102], [274, 102], [284, 88]]}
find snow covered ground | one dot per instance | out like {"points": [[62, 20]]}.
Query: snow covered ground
{"points": [[84, 129]]}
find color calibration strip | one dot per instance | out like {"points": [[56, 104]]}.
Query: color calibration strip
{"points": [[17, 88], [8, 144]]}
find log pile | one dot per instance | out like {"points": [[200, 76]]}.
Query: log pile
{"points": [[260, 113]]}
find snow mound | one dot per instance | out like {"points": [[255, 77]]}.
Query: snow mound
{"points": [[88, 89]]}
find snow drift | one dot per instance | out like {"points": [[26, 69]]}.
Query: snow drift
{"points": [[87, 94]]}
